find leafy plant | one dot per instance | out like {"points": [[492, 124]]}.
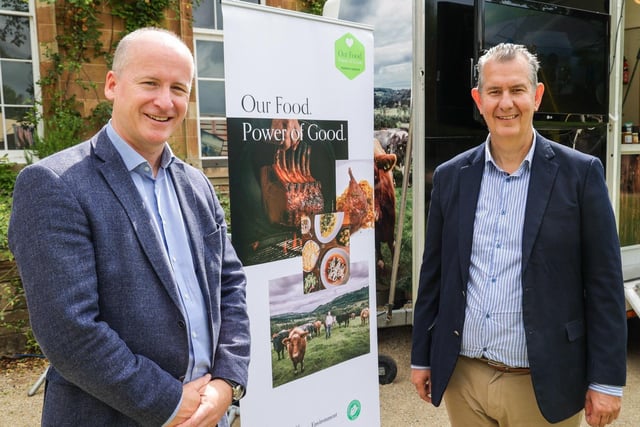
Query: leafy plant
{"points": [[11, 291], [8, 173], [63, 129], [142, 13], [78, 43], [314, 6]]}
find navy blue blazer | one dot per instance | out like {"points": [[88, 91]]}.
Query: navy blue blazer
{"points": [[573, 303], [101, 298]]}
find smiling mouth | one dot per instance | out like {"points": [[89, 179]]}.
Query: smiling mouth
{"points": [[511, 117], [158, 118]]}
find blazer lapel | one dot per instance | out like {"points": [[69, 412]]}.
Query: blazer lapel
{"points": [[192, 219], [119, 180], [470, 179], [543, 174]]}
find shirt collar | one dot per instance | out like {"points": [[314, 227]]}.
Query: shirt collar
{"points": [[132, 159], [528, 159]]}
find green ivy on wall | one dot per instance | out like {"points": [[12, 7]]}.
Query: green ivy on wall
{"points": [[78, 44], [142, 13]]}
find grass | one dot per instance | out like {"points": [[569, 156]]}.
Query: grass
{"points": [[345, 343]]}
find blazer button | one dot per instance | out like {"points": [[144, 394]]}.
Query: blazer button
{"points": [[181, 324], [456, 333]]}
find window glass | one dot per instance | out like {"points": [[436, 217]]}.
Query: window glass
{"points": [[19, 133], [15, 5], [219, 14], [208, 14], [17, 83], [203, 15], [17, 78], [211, 98], [210, 79], [213, 137], [15, 40], [210, 59]]}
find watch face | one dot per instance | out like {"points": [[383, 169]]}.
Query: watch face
{"points": [[238, 392]]}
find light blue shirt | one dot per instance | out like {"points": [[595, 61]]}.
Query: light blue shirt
{"points": [[164, 210], [493, 326]]}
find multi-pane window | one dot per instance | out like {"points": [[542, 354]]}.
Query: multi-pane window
{"points": [[210, 79], [211, 100], [16, 76]]}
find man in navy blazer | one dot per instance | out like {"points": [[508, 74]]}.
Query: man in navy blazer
{"points": [[135, 293], [520, 314]]}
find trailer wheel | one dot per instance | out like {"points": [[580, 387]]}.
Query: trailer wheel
{"points": [[387, 369]]}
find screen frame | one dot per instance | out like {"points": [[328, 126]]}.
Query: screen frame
{"points": [[554, 119]]}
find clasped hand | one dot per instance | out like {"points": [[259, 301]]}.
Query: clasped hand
{"points": [[204, 402]]}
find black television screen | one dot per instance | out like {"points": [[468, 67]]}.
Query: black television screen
{"points": [[572, 46]]}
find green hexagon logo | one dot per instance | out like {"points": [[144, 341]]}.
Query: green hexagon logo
{"points": [[349, 56]]}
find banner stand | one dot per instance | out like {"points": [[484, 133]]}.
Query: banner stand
{"points": [[299, 110]]}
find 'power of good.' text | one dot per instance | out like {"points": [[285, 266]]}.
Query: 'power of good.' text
{"points": [[306, 132]]}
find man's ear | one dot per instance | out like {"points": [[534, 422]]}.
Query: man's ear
{"points": [[475, 94], [110, 85], [538, 95]]}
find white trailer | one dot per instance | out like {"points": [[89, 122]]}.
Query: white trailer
{"points": [[417, 153]]}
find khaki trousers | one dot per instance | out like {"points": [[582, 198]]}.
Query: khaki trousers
{"points": [[478, 395]]}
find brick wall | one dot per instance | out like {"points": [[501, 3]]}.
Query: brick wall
{"points": [[48, 17], [184, 143], [297, 5]]}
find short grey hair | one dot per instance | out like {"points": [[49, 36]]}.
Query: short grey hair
{"points": [[504, 52]]}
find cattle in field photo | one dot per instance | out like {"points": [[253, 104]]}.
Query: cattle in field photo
{"points": [[297, 318]]}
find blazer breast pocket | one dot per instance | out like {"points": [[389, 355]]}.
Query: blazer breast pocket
{"points": [[213, 243]]}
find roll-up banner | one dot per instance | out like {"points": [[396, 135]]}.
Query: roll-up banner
{"points": [[299, 110]]}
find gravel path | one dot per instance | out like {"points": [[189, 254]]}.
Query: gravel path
{"points": [[401, 407], [399, 404]]}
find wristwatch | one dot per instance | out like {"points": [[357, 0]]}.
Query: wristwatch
{"points": [[237, 389]]}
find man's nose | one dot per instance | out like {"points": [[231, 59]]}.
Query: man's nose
{"points": [[506, 100], [164, 97]]}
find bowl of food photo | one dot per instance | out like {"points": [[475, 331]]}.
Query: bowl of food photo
{"points": [[327, 225], [334, 267]]}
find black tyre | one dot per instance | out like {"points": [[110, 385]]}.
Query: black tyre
{"points": [[387, 369]]}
